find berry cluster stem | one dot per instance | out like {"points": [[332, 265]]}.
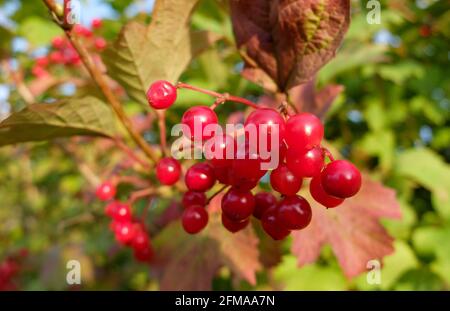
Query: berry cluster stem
{"points": [[221, 98], [101, 82]]}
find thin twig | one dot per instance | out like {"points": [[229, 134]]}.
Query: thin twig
{"points": [[224, 97], [162, 131], [216, 193], [141, 194]]}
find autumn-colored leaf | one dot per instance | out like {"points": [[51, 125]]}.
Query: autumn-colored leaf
{"points": [[143, 54], [307, 99], [190, 262], [85, 116], [353, 229], [289, 40]]}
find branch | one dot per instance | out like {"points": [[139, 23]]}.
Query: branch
{"points": [[102, 83]]}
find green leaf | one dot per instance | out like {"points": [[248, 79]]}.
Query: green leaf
{"points": [[38, 31], [162, 50], [429, 170], [86, 116], [311, 277]]}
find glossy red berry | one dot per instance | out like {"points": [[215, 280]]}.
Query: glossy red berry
{"points": [[294, 212], [96, 23], [140, 240], [223, 175], [201, 123], [341, 179], [268, 123], [100, 43], [317, 192], [110, 209], [124, 232], [200, 177], [194, 219], [271, 224], [168, 171], [247, 163], [191, 198], [303, 131], [161, 94], [263, 201], [244, 184], [106, 191], [143, 255], [220, 150], [307, 163], [238, 205], [234, 226], [121, 212], [284, 181]]}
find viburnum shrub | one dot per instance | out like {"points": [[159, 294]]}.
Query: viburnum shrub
{"points": [[238, 163]]}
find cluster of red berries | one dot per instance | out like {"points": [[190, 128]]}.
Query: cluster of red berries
{"points": [[63, 53], [126, 230], [9, 269], [300, 155]]}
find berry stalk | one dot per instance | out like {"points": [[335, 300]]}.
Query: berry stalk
{"points": [[222, 98]]}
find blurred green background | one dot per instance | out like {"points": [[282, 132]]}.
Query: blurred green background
{"points": [[392, 120]]}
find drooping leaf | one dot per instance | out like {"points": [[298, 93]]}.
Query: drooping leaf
{"points": [[353, 229], [430, 171], [190, 262], [289, 40], [162, 50], [85, 116]]}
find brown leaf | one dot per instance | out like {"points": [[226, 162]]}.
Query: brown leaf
{"points": [[290, 40], [190, 262], [353, 229]]}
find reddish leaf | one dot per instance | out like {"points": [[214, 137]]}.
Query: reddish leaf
{"points": [[353, 229], [290, 40], [190, 262], [307, 99]]}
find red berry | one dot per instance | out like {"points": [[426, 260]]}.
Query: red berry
{"points": [[303, 131], [244, 184], [263, 201], [168, 171], [200, 177], [194, 219], [223, 175], [121, 212], [234, 226], [100, 43], [268, 122], [110, 209], [197, 119], [58, 42], [106, 191], [341, 179], [220, 150], [294, 212], [124, 232], [161, 94], [271, 224], [42, 61], [96, 23], [238, 205], [140, 240], [39, 71], [247, 164], [56, 57], [284, 181], [82, 31], [193, 198], [143, 255], [307, 163], [317, 192]]}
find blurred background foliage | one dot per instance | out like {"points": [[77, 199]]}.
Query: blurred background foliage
{"points": [[392, 120]]}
